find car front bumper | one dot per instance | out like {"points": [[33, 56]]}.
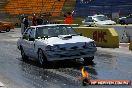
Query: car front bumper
{"points": [[70, 54]]}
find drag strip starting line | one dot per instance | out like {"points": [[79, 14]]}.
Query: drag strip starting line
{"points": [[1, 84]]}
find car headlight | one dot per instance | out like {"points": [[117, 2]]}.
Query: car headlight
{"points": [[90, 44], [55, 47], [52, 48], [48, 48]]}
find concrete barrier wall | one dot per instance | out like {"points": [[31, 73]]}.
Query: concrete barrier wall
{"points": [[104, 37], [124, 32]]}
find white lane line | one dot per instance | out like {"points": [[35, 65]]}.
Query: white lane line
{"points": [[1, 84]]}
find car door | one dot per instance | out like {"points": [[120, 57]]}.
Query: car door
{"points": [[31, 42], [25, 41], [128, 19]]}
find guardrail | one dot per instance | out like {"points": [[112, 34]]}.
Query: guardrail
{"points": [[104, 37]]}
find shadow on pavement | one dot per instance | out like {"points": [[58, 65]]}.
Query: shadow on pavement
{"points": [[60, 64]]}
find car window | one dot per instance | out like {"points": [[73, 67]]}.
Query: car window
{"points": [[26, 31], [54, 31], [130, 16], [29, 33], [101, 18], [89, 19], [32, 33], [41, 31], [25, 34]]}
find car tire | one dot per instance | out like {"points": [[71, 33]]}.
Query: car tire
{"points": [[89, 25], [24, 57], [7, 30], [122, 22], [41, 58], [88, 59]]}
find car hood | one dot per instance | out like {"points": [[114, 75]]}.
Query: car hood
{"points": [[61, 40], [106, 22]]}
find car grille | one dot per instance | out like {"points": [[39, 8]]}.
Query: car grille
{"points": [[73, 46]]}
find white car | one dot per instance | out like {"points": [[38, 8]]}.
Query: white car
{"points": [[55, 42], [98, 20]]}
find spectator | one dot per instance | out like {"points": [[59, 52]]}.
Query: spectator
{"points": [[68, 18], [34, 21], [39, 20], [22, 24], [21, 18], [26, 23]]}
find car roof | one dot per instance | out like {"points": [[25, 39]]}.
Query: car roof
{"points": [[48, 25], [99, 15], [96, 15]]}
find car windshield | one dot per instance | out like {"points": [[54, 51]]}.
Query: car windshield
{"points": [[101, 18], [54, 31]]}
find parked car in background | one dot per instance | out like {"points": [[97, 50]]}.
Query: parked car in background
{"points": [[98, 20], [6, 26], [55, 42], [125, 20], [88, 21]]}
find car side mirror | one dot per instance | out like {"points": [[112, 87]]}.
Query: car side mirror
{"points": [[31, 39]]}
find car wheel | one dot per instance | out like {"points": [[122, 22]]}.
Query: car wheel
{"points": [[123, 22], [7, 30], [89, 25], [41, 58], [88, 59], [24, 57]]}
